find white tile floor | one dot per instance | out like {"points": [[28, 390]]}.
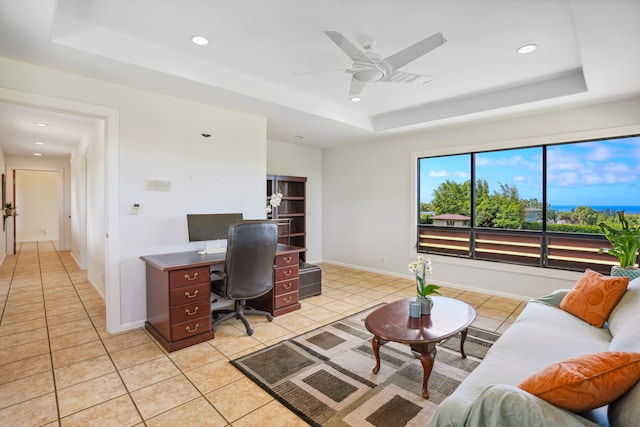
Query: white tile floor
{"points": [[59, 366]]}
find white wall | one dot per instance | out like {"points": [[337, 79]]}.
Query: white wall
{"points": [[300, 160], [369, 201], [95, 201], [3, 237], [36, 202], [158, 137]]}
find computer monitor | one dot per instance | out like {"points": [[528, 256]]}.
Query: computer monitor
{"points": [[205, 227]]}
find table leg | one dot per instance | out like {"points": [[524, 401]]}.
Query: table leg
{"points": [[426, 354], [463, 337], [376, 343]]}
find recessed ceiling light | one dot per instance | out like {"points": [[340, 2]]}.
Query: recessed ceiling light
{"points": [[42, 124], [200, 40], [37, 154], [39, 143], [355, 99], [528, 48], [298, 137]]}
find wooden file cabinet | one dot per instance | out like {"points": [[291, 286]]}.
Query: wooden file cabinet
{"points": [[284, 297], [178, 306], [179, 294]]}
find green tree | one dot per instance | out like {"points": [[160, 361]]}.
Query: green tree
{"points": [[586, 215], [452, 198]]}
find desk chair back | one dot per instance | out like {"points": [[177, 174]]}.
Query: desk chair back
{"points": [[251, 249]]}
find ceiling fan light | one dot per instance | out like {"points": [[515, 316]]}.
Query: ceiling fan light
{"points": [[200, 40], [528, 48], [368, 76], [355, 99]]}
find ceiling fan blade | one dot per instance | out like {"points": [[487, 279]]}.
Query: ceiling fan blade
{"points": [[356, 87], [333, 70], [415, 51], [402, 77], [347, 47]]}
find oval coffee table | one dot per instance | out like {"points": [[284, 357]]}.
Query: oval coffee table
{"points": [[391, 322]]}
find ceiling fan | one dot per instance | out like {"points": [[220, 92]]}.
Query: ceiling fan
{"points": [[369, 67]]}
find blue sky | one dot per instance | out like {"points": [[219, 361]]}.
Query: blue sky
{"points": [[590, 173]]}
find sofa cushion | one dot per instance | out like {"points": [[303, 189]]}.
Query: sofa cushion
{"points": [[586, 382], [594, 296], [625, 412], [627, 308], [627, 337]]}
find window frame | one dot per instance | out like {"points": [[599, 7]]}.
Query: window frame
{"points": [[579, 252]]}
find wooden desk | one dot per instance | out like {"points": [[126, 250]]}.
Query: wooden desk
{"points": [[179, 294]]}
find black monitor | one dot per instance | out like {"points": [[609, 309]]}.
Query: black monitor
{"points": [[203, 227]]}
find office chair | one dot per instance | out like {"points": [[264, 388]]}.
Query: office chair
{"points": [[248, 269]]}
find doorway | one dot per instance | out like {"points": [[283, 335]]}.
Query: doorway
{"points": [[106, 243]]}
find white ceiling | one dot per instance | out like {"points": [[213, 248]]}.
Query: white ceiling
{"points": [[588, 53]]}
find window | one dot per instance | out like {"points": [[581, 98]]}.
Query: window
{"points": [[538, 206], [508, 188]]}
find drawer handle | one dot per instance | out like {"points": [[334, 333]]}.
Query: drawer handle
{"points": [[287, 273], [195, 328], [287, 259], [287, 299], [287, 285], [195, 276], [191, 313], [188, 295]]}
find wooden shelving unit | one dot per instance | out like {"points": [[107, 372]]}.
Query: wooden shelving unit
{"points": [[292, 208]]}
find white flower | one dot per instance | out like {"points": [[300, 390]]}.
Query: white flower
{"points": [[274, 201], [421, 268]]}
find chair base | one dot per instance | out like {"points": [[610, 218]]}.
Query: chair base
{"points": [[241, 309]]}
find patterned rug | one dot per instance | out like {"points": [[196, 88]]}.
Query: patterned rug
{"points": [[325, 377]]}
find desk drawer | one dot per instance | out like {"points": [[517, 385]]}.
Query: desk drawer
{"points": [[285, 260], [193, 327], [189, 276], [190, 294], [285, 300], [184, 313], [286, 273], [286, 286]]}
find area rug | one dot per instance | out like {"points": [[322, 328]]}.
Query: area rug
{"points": [[324, 376]]}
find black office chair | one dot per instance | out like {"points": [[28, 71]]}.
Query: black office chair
{"points": [[248, 269]]}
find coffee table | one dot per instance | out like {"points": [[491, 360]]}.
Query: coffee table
{"points": [[391, 322]]}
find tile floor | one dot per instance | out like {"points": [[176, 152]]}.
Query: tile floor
{"points": [[59, 366]]}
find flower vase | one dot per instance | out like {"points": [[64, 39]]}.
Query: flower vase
{"points": [[426, 304], [630, 272]]}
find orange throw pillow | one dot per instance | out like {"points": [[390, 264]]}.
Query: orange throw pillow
{"points": [[594, 296], [586, 382]]}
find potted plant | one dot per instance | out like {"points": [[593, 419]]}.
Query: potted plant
{"points": [[625, 243], [421, 268], [8, 209]]}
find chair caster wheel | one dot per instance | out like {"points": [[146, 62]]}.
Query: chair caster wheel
{"points": [[270, 318], [249, 332]]}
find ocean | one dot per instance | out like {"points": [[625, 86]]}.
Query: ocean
{"points": [[626, 209]]}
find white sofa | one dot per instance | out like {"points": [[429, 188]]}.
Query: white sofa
{"points": [[544, 334]]}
